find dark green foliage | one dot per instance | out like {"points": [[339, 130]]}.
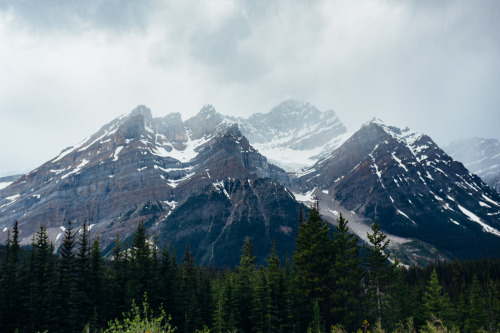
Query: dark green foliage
{"points": [[189, 287], [434, 303], [10, 309], [347, 276], [244, 288], [42, 290], [379, 273], [312, 260]]}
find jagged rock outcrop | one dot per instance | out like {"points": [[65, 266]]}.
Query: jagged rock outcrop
{"points": [[405, 182], [135, 168]]}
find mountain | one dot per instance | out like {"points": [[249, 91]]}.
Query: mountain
{"points": [[140, 168], [405, 182], [209, 181], [7, 180], [294, 134], [480, 156]]}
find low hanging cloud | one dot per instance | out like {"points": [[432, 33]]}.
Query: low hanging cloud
{"points": [[68, 67]]}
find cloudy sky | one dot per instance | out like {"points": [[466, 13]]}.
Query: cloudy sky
{"points": [[69, 67]]}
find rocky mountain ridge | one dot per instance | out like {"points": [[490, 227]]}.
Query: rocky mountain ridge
{"points": [[404, 181], [204, 181], [480, 156], [134, 168]]}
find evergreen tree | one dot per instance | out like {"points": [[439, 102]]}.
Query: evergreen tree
{"points": [[119, 280], [476, 318], [96, 281], [10, 307], [492, 305], [84, 287], [43, 296], [244, 292], [312, 260], [435, 304], [292, 302], [225, 303], [261, 301], [347, 276], [275, 290], [169, 283], [379, 271], [401, 302], [67, 284], [189, 286], [141, 262]]}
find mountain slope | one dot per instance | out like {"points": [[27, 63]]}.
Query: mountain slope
{"points": [[135, 168], [294, 134], [405, 182], [480, 156]]}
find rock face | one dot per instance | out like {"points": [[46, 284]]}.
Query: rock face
{"points": [[405, 182], [135, 168], [208, 181], [294, 134], [480, 156], [217, 220]]}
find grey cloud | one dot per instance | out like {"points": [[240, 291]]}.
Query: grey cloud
{"points": [[53, 15]]}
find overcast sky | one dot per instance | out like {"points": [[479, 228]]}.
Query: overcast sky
{"points": [[69, 67]]}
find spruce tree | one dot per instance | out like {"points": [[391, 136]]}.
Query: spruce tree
{"points": [[312, 260], [476, 318], [244, 292], [435, 304], [10, 302], [275, 290], [492, 305], [347, 276], [141, 262], [43, 297], [261, 301], [85, 309], [189, 287], [67, 285], [379, 270], [96, 280]]}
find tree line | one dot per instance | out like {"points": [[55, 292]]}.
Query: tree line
{"points": [[325, 286]]}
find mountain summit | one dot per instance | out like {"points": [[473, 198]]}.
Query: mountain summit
{"points": [[402, 180], [208, 181]]}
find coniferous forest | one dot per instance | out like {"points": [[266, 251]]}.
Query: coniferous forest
{"points": [[324, 286]]}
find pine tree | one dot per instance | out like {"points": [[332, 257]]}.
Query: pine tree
{"points": [[275, 290], [261, 301], [476, 318], [225, 303], [85, 309], [120, 280], [169, 283], [189, 286], [10, 308], [492, 305], [379, 271], [402, 303], [244, 292], [312, 260], [44, 301], [96, 281], [291, 313], [435, 304], [141, 262], [67, 284], [347, 276]]}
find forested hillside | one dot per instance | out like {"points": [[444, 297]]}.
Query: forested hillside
{"points": [[324, 286]]}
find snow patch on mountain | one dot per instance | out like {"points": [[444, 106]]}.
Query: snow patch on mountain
{"points": [[475, 218]]}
